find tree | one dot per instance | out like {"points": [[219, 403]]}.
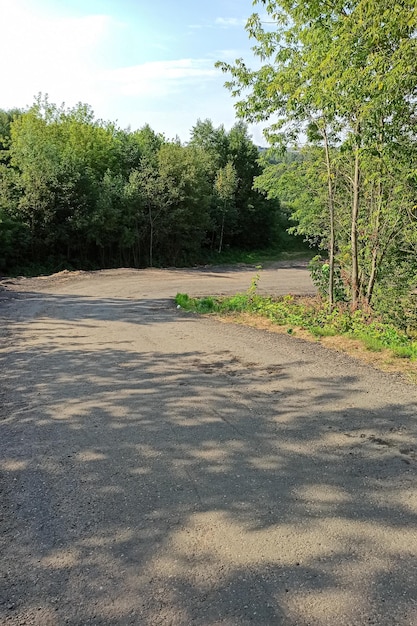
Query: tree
{"points": [[225, 185], [60, 157], [80, 192], [214, 141], [184, 172], [6, 119], [251, 223], [345, 70]]}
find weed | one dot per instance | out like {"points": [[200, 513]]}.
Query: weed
{"points": [[322, 331], [251, 292], [235, 303], [320, 275], [371, 343], [403, 352], [312, 315], [182, 300]]}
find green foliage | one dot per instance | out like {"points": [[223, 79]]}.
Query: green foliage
{"points": [[225, 184], [406, 352], [323, 331], [370, 343], [395, 295], [80, 192], [319, 271], [184, 301], [293, 251], [251, 292], [311, 315], [241, 216], [14, 241], [297, 179], [341, 75], [198, 305]]}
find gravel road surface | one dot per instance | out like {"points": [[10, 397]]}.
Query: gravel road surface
{"points": [[157, 468]]}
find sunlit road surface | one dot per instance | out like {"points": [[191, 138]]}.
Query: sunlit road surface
{"points": [[161, 468]]}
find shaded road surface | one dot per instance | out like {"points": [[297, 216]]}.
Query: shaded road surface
{"points": [[160, 468]]}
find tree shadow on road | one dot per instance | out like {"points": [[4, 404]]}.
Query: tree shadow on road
{"points": [[75, 307], [157, 488]]}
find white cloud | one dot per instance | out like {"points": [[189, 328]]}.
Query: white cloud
{"points": [[69, 58], [159, 78], [227, 54], [61, 57], [222, 22], [47, 54], [230, 22]]}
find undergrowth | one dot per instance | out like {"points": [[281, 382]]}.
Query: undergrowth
{"points": [[232, 256], [312, 315]]}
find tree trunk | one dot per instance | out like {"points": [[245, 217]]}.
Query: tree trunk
{"points": [[221, 235], [354, 231], [330, 197], [213, 237], [375, 249], [372, 277], [150, 238]]}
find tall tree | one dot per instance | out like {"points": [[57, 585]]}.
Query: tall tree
{"points": [[214, 141], [225, 185], [79, 191], [344, 66]]}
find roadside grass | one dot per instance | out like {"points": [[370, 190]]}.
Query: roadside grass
{"points": [[311, 318], [255, 257]]}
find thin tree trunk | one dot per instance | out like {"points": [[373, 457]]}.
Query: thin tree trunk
{"points": [[150, 238], [375, 250], [354, 231], [372, 277], [221, 235], [213, 237], [331, 220], [376, 247]]}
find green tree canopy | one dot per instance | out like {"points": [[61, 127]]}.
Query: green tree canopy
{"points": [[340, 74]]}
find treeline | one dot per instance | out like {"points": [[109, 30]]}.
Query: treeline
{"points": [[79, 192]]}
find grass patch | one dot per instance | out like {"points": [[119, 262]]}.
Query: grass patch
{"points": [[198, 305], [256, 257], [371, 343], [323, 331], [405, 352], [311, 315]]}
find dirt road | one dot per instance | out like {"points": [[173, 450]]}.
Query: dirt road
{"points": [[160, 468]]}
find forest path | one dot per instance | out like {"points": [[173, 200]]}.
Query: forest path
{"points": [[161, 468]]}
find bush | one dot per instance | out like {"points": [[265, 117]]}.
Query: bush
{"points": [[320, 274]]}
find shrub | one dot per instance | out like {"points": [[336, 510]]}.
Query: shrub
{"points": [[320, 274]]}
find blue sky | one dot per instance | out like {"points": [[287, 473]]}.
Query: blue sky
{"points": [[133, 61]]}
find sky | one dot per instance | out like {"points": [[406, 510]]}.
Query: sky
{"points": [[135, 62]]}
